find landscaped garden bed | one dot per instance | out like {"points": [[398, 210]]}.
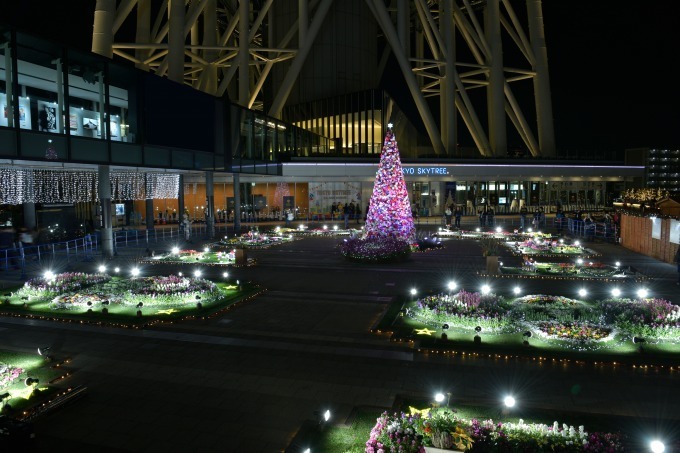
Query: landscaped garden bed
{"points": [[27, 380], [207, 256], [539, 246], [103, 299], [254, 239], [494, 233], [540, 324], [580, 270], [482, 429]]}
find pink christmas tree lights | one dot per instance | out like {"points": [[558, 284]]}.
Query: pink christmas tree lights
{"points": [[389, 212]]}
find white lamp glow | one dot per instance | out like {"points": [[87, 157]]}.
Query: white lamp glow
{"points": [[618, 264], [642, 293], [175, 250], [197, 273], [579, 261], [225, 275], [116, 269], [439, 397], [452, 285], [101, 268], [517, 290], [509, 401], [478, 229], [49, 275], [206, 250], [499, 229], [582, 292], [530, 230], [335, 227], [577, 243], [134, 271], [414, 291], [616, 292], [656, 446], [486, 289], [327, 415], [325, 227]]}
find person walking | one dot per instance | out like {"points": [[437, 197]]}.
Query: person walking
{"points": [[447, 215], [523, 217], [345, 214], [457, 214]]}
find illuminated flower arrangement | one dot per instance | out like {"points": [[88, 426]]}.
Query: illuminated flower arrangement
{"points": [[375, 249], [464, 310], [652, 319], [546, 300], [8, 374], [411, 433], [573, 331], [61, 283]]}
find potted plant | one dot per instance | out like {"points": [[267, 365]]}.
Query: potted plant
{"points": [[491, 250], [445, 433]]}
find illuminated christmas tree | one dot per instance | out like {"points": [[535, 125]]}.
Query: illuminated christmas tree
{"points": [[389, 212]]}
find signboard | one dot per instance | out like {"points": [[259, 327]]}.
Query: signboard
{"points": [[425, 171], [260, 202], [656, 228]]}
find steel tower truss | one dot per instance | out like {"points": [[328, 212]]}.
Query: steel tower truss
{"points": [[220, 46]]}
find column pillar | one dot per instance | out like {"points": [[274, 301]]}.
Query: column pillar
{"points": [[105, 203], [102, 33], [237, 203], [29, 216], [210, 203], [149, 214]]}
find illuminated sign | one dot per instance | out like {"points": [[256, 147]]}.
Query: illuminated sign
{"points": [[425, 170]]}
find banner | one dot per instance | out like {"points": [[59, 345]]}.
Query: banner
{"points": [[323, 194]]}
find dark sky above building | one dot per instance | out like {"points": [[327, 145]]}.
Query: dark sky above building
{"points": [[614, 66]]}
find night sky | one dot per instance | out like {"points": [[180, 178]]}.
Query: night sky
{"points": [[615, 76]]}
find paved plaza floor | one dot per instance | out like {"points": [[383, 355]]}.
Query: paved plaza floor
{"points": [[247, 381]]}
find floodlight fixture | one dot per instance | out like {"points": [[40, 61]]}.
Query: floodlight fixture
{"points": [[325, 227], [530, 230], [517, 290], [31, 381], [327, 415], [101, 268], [452, 285], [486, 289], [439, 397], [642, 293], [225, 275], [206, 250], [414, 291], [49, 275], [499, 229], [116, 269], [175, 250], [582, 292], [509, 401], [43, 350], [478, 229], [616, 292], [577, 243], [135, 271], [335, 228], [197, 273], [579, 261], [618, 264], [179, 274]]}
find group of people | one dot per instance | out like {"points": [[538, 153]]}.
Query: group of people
{"points": [[538, 217], [453, 212], [345, 211]]}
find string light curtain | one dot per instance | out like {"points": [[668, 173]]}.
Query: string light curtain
{"points": [[19, 186]]}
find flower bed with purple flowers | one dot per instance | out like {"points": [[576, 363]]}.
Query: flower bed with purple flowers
{"points": [[400, 432], [465, 310], [60, 283], [375, 249]]}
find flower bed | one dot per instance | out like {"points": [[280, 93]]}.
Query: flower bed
{"points": [[255, 239], [60, 283], [561, 321], [540, 247], [589, 270], [463, 310], [375, 249], [412, 433], [209, 256]]}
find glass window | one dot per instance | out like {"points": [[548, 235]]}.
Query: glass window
{"points": [[87, 98]]}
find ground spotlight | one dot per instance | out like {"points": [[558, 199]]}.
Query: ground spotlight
{"points": [[452, 285], [206, 250], [486, 289], [577, 243], [509, 401], [225, 275], [179, 274], [116, 269], [135, 271], [31, 381], [335, 228], [656, 446], [616, 292], [530, 230], [579, 261], [44, 350], [325, 227], [101, 268], [175, 250], [582, 292], [642, 293], [327, 415], [197, 273], [517, 290], [499, 229], [439, 397], [478, 229], [49, 275]]}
